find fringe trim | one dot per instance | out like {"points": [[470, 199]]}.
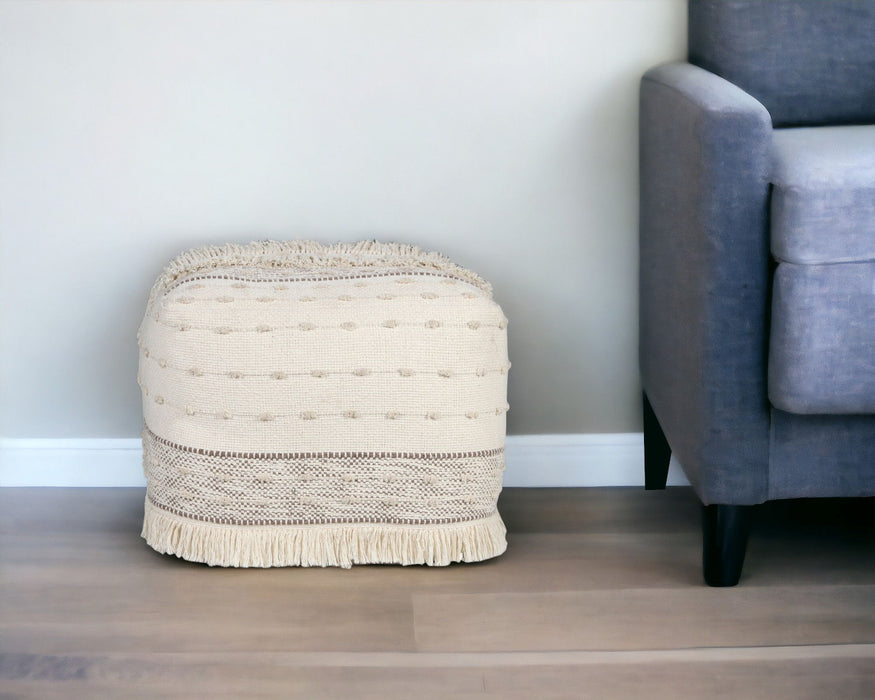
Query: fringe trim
{"points": [[322, 545], [310, 255]]}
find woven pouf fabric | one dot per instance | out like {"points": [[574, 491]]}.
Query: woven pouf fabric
{"points": [[323, 405]]}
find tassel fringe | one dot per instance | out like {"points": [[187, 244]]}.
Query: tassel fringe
{"points": [[310, 255], [322, 545]]}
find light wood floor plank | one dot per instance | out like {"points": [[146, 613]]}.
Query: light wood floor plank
{"points": [[645, 619], [849, 674], [599, 595]]}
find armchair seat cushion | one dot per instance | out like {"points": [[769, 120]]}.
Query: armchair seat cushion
{"points": [[823, 195], [821, 358]]}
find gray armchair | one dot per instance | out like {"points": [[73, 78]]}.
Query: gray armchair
{"points": [[757, 273]]}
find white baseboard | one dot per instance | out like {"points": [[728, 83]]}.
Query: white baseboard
{"points": [[613, 459], [71, 462], [587, 459]]}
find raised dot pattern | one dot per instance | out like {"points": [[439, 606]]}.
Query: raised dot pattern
{"points": [[432, 323], [244, 293], [356, 372], [268, 416]]}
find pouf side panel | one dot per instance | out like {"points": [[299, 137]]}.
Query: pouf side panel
{"points": [[373, 386]]}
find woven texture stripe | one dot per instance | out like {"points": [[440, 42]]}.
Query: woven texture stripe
{"points": [[306, 489]]}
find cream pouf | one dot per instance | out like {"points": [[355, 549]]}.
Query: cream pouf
{"points": [[323, 406]]}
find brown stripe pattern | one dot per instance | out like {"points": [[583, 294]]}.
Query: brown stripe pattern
{"points": [[309, 488]]}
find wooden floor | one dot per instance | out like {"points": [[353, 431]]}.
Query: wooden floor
{"points": [[598, 596]]}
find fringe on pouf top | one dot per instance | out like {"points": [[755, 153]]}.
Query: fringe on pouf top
{"points": [[323, 405]]}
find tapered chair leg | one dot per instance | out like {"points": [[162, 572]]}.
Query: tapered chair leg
{"points": [[725, 530], [657, 453]]}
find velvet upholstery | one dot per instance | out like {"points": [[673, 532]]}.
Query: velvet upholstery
{"points": [[821, 456], [808, 61], [721, 188], [822, 348], [823, 198], [704, 276]]}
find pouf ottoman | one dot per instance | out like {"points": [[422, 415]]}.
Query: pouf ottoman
{"points": [[323, 405]]}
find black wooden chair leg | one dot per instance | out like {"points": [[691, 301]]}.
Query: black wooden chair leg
{"points": [[724, 530], [657, 453]]}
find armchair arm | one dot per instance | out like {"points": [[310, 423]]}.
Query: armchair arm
{"points": [[704, 277]]}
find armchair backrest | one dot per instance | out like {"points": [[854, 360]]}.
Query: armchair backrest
{"points": [[810, 62]]}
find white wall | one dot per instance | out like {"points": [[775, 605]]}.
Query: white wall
{"points": [[502, 133]]}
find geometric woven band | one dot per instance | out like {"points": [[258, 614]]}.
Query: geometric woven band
{"points": [[321, 488]]}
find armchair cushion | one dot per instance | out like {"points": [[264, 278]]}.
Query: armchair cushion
{"points": [[823, 197], [821, 358]]}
